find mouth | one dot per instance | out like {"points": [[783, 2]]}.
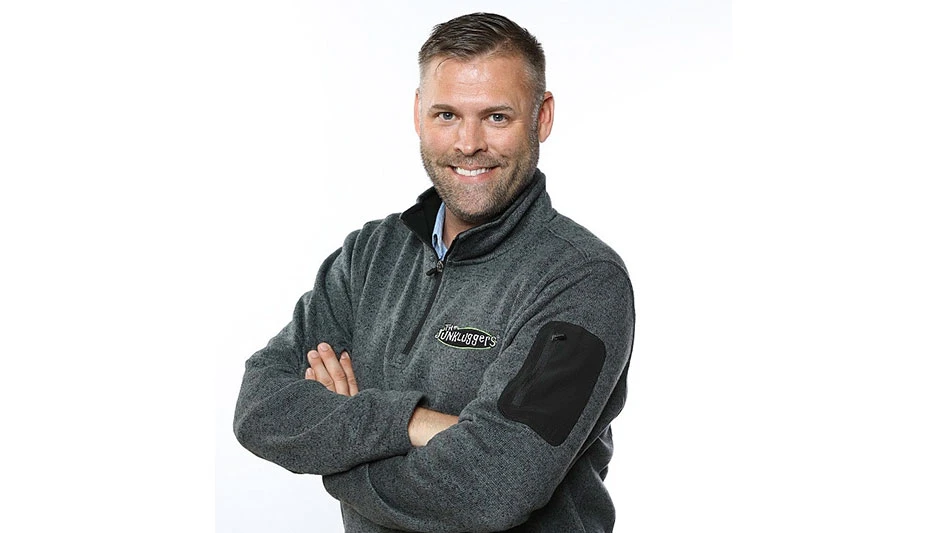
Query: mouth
{"points": [[471, 172]]}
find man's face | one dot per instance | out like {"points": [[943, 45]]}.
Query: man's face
{"points": [[480, 140]]}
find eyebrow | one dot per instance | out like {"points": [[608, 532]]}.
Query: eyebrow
{"points": [[488, 111]]}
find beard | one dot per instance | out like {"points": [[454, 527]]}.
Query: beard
{"points": [[476, 203]]}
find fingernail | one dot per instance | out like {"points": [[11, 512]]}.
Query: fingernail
{"points": [[312, 353], [345, 355], [323, 347]]}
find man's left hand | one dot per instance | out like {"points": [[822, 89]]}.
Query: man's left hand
{"points": [[335, 374]]}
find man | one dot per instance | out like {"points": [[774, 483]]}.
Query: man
{"points": [[483, 339]]}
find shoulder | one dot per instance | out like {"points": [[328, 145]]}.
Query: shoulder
{"points": [[377, 230], [382, 239], [577, 246], [559, 256]]}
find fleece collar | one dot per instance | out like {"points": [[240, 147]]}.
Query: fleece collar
{"points": [[483, 239]]}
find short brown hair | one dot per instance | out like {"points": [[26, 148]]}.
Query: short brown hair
{"points": [[480, 34]]}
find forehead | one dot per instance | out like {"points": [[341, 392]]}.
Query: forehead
{"points": [[487, 77]]}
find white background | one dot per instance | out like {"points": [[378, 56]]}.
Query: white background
{"points": [[173, 173]]}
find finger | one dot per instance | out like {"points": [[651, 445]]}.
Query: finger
{"points": [[336, 373], [319, 370], [310, 375], [346, 363]]}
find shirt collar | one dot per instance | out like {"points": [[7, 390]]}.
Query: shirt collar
{"points": [[437, 232]]}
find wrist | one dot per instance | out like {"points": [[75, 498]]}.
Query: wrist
{"points": [[425, 424]]}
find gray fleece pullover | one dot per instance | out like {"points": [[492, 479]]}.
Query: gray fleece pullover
{"points": [[524, 332]]}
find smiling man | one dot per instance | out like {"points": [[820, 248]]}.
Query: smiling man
{"points": [[480, 128], [457, 367]]}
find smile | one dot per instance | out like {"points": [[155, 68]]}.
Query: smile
{"points": [[470, 173]]}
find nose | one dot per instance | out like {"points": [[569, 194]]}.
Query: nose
{"points": [[470, 138]]}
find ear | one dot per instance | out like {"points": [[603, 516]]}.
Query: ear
{"points": [[545, 117], [417, 109]]}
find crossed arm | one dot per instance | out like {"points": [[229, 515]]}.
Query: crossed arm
{"points": [[337, 375], [486, 471]]}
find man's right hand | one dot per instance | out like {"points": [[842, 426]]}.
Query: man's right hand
{"points": [[335, 374], [338, 376]]}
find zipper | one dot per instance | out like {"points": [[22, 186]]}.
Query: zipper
{"points": [[436, 271], [548, 350]]}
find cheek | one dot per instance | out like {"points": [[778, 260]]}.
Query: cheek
{"points": [[505, 142], [436, 139]]}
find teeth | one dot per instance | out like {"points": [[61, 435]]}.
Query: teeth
{"points": [[469, 173]]}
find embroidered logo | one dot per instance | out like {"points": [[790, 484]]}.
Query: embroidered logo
{"points": [[465, 338]]}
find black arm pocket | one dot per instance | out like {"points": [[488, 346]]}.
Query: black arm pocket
{"points": [[554, 384]]}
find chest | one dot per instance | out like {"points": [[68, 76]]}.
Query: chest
{"points": [[438, 332]]}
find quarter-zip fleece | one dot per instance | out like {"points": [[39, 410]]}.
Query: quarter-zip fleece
{"points": [[523, 331]]}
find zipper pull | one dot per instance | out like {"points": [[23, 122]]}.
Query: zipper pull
{"points": [[438, 268]]}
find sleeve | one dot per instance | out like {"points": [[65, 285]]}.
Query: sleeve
{"points": [[299, 424], [539, 405]]}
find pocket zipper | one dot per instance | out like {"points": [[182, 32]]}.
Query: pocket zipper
{"points": [[540, 365]]}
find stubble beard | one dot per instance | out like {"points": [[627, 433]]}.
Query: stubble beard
{"points": [[478, 203]]}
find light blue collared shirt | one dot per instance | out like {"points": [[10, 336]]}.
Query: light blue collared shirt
{"points": [[436, 233]]}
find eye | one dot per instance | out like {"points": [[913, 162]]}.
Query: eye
{"points": [[498, 117], [446, 115]]}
